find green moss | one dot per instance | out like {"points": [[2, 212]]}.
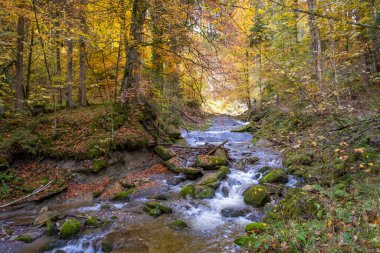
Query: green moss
{"points": [[99, 164], [210, 162], [178, 225], [256, 226], [161, 197], [274, 176], [264, 169], [92, 222], [25, 238], [107, 245], [223, 172], [124, 195], [256, 196], [299, 204], [246, 128], [159, 206], [297, 159], [188, 190], [51, 228], [70, 228], [204, 192], [163, 152], [154, 212]]}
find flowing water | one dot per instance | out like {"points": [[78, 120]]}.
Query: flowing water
{"points": [[213, 223]]}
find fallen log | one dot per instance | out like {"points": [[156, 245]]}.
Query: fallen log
{"points": [[212, 151]]}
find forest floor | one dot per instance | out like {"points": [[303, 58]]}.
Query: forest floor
{"points": [[337, 208]]}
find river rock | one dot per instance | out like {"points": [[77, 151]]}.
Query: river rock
{"points": [[120, 242], [46, 216], [221, 152], [163, 152], [208, 162], [123, 195], [274, 176], [178, 225], [204, 192], [223, 172], [197, 191], [70, 228], [225, 191], [245, 162], [256, 196], [29, 237], [211, 180], [234, 212], [177, 165]]}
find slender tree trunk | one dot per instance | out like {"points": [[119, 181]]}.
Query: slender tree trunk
{"points": [[246, 78], [69, 74], [82, 58], [119, 54], [133, 65], [29, 66], [315, 42], [19, 96], [58, 60]]}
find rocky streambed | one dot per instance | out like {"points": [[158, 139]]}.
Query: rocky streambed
{"points": [[195, 203]]}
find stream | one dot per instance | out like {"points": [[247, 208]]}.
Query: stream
{"points": [[213, 224]]}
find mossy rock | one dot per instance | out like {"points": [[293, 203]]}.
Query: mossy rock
{"points": [[274, 176], [160, 197], [210, 162], [163, 152], [25, 238], [204, 192], [154, 212], [124, 195], [256, 196], [211, 180], [178, 225], [223, 172], [299, 204], [188, 191], [159, 206], [92, 222], [264, 169], [176, 165], [107, 246], [256, 226], [99, 164], [70, 228], [51, 228]]}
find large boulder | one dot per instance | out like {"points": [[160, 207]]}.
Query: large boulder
{"points": [[70, 228], [274, 176], [256, 196], [163, 152], [209, 162], [211, 180]]}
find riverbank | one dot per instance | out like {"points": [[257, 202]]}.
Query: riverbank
{"points": [[337, 209]]}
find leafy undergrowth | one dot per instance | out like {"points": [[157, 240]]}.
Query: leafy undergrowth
{"points": [[28, 177], [337, 207], [83, 133]]}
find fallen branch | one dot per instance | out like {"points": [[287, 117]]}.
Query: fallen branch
{"points": [[36, 191], [212, 151], [187, 116]]}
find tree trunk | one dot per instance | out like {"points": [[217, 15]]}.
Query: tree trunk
{"points": [[119, 54], [19, 96], [133, 65], [69, 75], [157, 31], [58, 66], [315, 41], [82, 59], [29, 66], [246, 79]]}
